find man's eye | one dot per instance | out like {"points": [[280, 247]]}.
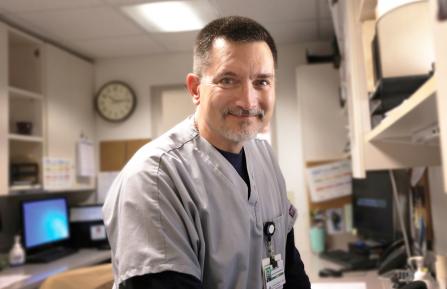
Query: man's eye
{"points": [[227, 81], [262, 82]]}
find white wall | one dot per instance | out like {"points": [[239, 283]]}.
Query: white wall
{"points": [[70, 112], [321, 128], [323, 120], [288, 132], [140, 73], [176, 105]]}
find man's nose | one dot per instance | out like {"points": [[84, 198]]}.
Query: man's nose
{"points": [[248, 96]]}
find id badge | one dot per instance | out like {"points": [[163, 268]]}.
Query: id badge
{"points": [[274, 277]]}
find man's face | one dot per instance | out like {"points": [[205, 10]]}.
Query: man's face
{"points": [[236, 93]]}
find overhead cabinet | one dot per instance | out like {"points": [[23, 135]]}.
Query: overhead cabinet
{"points": [[23, 108], [397, 57], [45, 107]]}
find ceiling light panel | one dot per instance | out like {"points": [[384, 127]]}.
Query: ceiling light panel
{"points": [[171, 16]]}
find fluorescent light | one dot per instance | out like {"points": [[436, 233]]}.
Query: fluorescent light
{"points": [[170, 16]]}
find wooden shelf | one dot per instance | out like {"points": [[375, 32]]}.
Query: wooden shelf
{"points": [[27, 138], [416, 113], [23, 93], [367, 10]]}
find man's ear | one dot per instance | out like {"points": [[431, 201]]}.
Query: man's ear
{"points": [[193, 85]]}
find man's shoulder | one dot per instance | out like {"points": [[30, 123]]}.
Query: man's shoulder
{"points": [[167, 144]]}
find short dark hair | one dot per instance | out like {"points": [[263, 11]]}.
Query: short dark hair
{"points": [[233, 28]]}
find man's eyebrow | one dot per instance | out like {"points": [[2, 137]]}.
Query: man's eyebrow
{"points": [[264, 75], [226, 73]]}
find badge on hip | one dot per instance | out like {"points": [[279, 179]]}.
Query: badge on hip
{"points": [[273, 275], [272, 266]]}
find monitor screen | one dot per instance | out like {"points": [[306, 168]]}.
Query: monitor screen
{"points": [[45, 222], [373, 211]]}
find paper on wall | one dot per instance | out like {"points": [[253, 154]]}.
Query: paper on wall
{"points": [[85, 158], [330, 181], [57, 173]]}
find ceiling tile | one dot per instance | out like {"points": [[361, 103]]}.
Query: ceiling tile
{"points": [[118, 46], [82, 23], [180, 41], [89, 26], [293, 32], [15, 6], [269, 11]]}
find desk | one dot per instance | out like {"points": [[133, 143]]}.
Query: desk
{"points": [[313, 264], [39, 272]]}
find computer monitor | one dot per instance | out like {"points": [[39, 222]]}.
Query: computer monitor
{"points": [[87, 227], [45, 223], [373, 207]]}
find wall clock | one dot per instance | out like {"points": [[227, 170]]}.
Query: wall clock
{"points": [[115, 101]]}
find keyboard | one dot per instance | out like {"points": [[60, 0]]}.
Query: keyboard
{"points": [[349, 260], [50, 255]]}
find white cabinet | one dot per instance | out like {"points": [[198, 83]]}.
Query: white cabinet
{"points": [[397, 142], [22, 111], [70, 109], [52, 90]]}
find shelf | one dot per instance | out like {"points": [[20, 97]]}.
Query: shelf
{"points": [[25, 188], [23, 93], [27, 138], [367, 10], [70, 189], [393, 86], [415, 114]]}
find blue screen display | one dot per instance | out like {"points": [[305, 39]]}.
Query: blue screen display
{"points": [[45, 221]]}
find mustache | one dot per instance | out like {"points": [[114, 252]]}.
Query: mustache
{"points": [[237, 111]]}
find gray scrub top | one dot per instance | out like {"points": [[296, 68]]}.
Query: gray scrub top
{"points": [[179, 205]]}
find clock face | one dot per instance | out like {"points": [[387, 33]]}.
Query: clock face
{"points": [[115, 101]]}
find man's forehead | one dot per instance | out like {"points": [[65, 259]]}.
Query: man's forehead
{"points": [[225, 54], [221, 43]]}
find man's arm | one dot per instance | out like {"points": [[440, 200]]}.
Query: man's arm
{"points": [[162, 280], [296, 277]]}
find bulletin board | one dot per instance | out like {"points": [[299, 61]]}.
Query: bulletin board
{"points": [[115, 154]]}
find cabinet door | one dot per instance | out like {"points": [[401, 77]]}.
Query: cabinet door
{"points": [[69, 111]]}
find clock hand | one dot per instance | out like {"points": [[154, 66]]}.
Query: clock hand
{"points": [[119, 100]]}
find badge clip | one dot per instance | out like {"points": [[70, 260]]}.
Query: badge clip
{"points": [[269, 230]]}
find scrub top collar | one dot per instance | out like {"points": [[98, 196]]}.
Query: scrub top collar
{"points": [[221, 164]]}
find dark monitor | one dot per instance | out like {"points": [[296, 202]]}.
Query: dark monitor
{"points": [[45, 223], [373, 209], [87, 226]]}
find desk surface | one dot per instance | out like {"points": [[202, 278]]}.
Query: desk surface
{"points": [[313, 264], [39, 272]]}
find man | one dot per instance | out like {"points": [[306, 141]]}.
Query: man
{"points": [[205, 205]]}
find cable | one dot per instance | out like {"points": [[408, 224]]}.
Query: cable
{"points": [[399, 213]]}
